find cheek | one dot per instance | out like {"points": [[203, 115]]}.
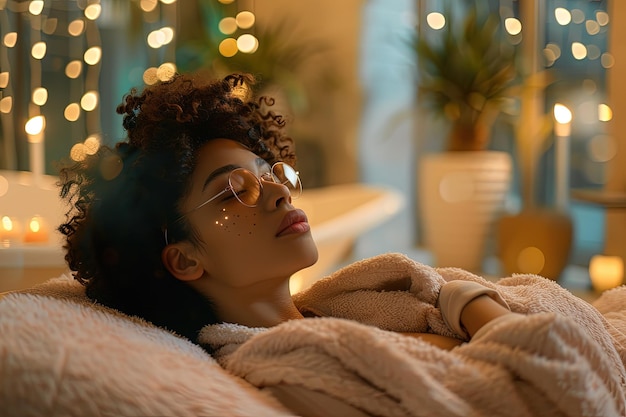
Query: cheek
{"points": [[236, 222]]}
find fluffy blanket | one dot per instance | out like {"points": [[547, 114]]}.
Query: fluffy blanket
{"points": [[562, 357], [62, 355]]}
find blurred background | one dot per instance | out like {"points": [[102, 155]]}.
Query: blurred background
{"points": [[352, 80]]}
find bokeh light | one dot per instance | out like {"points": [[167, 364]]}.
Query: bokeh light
{"points": [[6, 104], [73, 69], [10, 39], [40, 96], [35, 125], [92, 12], [72, 112], [228, 47], [228, 25], [513, 26], [531, 260], [436, 20], [563, 16], [93, 55], [89, 101], [247, 43], [245, 19], [4, 79], [76, 27], [38, 50]]}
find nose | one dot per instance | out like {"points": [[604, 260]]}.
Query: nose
{"points": [[275, 194]]}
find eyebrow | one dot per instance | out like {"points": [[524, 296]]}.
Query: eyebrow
{"points": [[260, 162]]}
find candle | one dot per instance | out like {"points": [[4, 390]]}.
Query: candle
{"points": [[35, 130], [606, 272], [562, 130], [36, 231], [9, 231]]}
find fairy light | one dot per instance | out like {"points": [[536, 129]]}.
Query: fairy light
{"points": [[247, 43], [563, 16], [54, 34], [245, 19], [73, 69], [436, 20], [40, 96], [92, 12], [10, 39], [243, 22], [228, 25], [76, 27], [72, 112]]}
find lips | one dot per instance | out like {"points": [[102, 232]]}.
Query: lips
{"points": [[294, 222]]}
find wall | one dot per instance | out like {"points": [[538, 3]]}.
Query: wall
{"points": [[615, 243], [334, 121]]}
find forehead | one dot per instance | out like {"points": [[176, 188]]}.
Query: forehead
{"points": [[219, 152]]}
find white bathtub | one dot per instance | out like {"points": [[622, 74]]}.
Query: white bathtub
{"points": [[338, 215]]}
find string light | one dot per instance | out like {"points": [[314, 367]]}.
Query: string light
{"points": [[70, 27], [245, 42]]}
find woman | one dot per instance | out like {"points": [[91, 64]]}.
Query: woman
{"points": [[191, 222]]}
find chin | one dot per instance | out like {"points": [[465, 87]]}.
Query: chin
{"points": [[307, 256]]}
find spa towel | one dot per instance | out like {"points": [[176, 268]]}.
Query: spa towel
{"points": [[561, 358]]}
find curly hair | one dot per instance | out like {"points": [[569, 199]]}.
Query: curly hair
{"points": [[122, 198]]}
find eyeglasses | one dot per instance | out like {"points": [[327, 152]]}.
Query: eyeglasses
{"points": [[247, 188]]}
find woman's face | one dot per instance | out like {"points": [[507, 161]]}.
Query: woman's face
{"points": [[245, 245]]}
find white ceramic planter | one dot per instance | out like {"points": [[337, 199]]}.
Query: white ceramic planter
{"points": [[460, 196]]}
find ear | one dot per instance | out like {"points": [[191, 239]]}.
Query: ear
{"points": [[179, 259]]}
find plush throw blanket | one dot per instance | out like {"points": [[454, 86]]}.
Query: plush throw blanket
{"points": [[61, 355], [561, 358]]}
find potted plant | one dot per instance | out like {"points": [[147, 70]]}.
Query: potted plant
{"points": [[467, 75]]}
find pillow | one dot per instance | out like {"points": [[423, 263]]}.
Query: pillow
{"points": [[62, 355]]}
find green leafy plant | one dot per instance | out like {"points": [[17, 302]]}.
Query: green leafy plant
{"points": [[280, 59], [467, 74]]}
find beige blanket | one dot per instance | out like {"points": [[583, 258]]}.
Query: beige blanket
{"points": [[562, 358], [62, 355]]}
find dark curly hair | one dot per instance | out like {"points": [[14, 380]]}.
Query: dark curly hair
{"points": [[123, 198]]}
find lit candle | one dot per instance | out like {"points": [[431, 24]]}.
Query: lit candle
{"points": [[35, 130], [562, 130], [606, 272], [36, 232], [9, 231]]}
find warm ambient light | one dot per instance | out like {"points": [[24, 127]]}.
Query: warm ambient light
{"points": [[35, 125], [513, 26], [228, 25], [604, 112], [606, 272], [35, 7], [245, 19], [9, 230], [531, 260], [563, 117], [563, 16], [36, 232], [10, 39], [38, 50], [40, 96], [436, 20], [247, 43]]}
